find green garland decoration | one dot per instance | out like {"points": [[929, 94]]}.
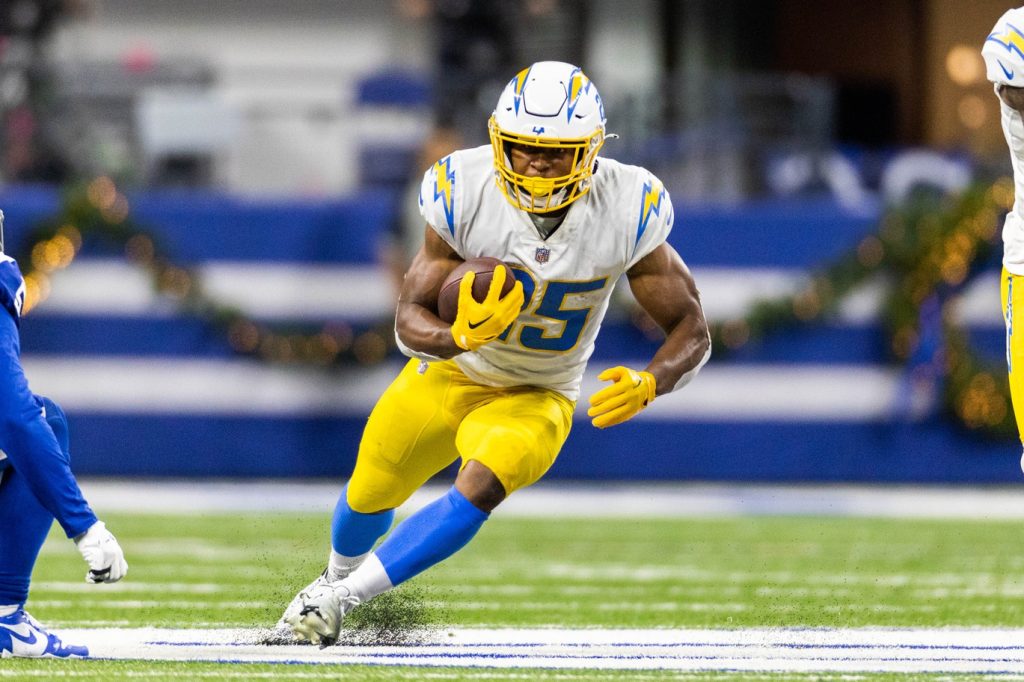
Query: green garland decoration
{"points": [[99, 211], [924, 249]]}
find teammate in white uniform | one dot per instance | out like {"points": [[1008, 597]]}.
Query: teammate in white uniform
{"points": [[498, 386], [1003, 52]]}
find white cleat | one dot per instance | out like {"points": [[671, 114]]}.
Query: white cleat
{"points": [[319, 618], [296, 603], [22, 636]]}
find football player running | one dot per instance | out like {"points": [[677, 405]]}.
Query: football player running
{"points": [[497, 387], [1004, 64], [36, 487]]}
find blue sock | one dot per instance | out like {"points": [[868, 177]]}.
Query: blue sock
{"points": [[354, 533], [26, 523], [430, 536]]}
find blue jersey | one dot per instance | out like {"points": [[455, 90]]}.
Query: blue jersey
{"points": [[28, 444], [12, 287]]}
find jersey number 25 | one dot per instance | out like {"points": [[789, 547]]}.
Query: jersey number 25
{"points": [[552, 306]]}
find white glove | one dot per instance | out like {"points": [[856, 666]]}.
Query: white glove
{"points": [[99, 548]]}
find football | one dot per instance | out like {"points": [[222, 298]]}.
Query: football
{"points": [[448, 297]]}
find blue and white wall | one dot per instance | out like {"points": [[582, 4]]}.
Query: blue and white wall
{"points": [[151, 391]]}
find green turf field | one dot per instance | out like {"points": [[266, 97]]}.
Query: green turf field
{"points": [[217, 571]]}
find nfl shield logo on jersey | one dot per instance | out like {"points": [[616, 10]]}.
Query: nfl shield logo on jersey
{"points": [[542, 254]]}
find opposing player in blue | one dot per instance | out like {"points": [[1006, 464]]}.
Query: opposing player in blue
{"points": [[498, 386], [36, 487]]}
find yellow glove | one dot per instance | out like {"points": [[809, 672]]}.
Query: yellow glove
{"points": [[478, 323], [631, 392]]}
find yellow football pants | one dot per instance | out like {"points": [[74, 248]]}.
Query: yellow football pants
{"points": [[1012, 290], [426, 420]]}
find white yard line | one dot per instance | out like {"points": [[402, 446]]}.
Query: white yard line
{"points": [[596, 500], [766, 650]]}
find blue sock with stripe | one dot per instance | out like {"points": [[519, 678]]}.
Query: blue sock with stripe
{"points": [[430, 536]]}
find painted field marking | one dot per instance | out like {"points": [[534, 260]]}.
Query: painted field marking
{"points": [[767, 650]]}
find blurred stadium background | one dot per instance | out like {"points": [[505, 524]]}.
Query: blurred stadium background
{"points": [[210, 200]]}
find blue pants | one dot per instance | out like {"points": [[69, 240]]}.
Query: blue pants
{"points": [[24, 522]]}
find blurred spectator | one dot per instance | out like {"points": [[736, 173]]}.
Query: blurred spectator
{"points": [[32, 19], [482, 43], [476, 54], [30, 151]]}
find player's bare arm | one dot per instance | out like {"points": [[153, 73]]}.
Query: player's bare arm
{"points": [[416, 321], [664, 287]]}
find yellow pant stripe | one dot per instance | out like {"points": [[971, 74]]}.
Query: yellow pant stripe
{"points": [[1012, 291]]}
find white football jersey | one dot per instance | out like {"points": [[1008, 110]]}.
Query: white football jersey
{"points": [[567, 278]]}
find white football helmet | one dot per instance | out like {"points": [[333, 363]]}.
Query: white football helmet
{"points": [[1004, 49], [551, 105]]}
